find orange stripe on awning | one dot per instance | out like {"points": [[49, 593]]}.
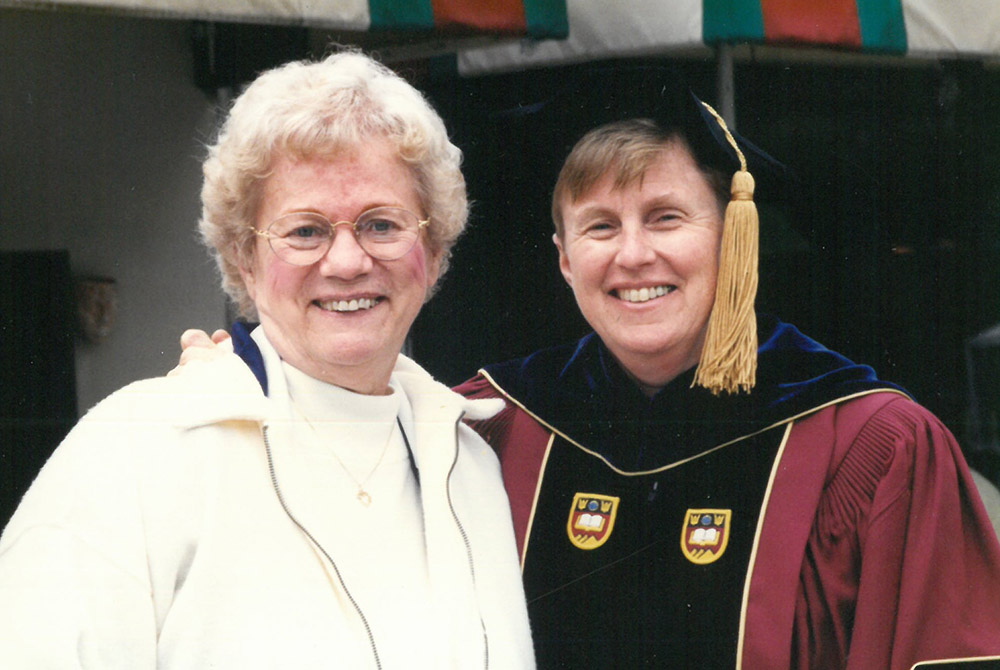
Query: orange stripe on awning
{"points": [[817, 21], [503, 15]]}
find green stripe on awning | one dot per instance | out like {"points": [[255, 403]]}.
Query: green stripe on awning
{"points": [[401, 13], [546, 18], [882, 25], [731, 21]]}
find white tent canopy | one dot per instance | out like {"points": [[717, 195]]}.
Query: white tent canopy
{"points": [[334, 14], [598, 30], [536, 18]]}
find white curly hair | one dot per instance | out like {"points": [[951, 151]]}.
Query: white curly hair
{"points": [[308, 110]]}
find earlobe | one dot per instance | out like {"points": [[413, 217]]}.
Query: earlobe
{"points": [[433, 269], [247, 275], [248, 283], [563, 260]]}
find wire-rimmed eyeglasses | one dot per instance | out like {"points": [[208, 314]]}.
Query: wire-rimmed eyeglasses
{"points": [[302, 238]]}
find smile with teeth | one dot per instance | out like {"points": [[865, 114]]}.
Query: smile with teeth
{"points": [[643, 294], [348, 305]]}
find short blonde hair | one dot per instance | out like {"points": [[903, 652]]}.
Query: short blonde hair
{"points": [[625, 149], [314, 109]]}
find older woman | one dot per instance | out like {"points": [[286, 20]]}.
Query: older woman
{"points": [[315, 502], [806, 516]]}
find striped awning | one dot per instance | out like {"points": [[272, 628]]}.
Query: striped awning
{"points": [[531, 18], [854, 24], [597, 29]]}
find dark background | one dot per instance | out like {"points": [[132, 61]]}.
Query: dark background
{"points": [[37, 379]]}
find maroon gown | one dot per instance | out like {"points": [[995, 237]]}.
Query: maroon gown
{"points": [[857, 537]]}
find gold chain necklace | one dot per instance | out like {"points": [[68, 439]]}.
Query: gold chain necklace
{"points": [[362, 496]]}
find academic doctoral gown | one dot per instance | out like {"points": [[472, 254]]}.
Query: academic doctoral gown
{"points": [[824, 520]]}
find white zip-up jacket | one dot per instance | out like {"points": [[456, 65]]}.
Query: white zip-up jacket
{"points": [[154, 538]]}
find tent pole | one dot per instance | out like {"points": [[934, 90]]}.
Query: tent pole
{"points": [[725, 83]]}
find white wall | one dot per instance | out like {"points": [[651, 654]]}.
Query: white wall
{"points": [[101, 134]]}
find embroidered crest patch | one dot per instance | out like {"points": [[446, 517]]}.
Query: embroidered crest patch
{"points": [[705, 534], [591, 520]]}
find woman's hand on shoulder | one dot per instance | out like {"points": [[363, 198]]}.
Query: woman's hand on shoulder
{"points": [[198, 345]]}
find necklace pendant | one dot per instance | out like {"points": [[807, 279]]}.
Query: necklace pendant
{"points": [[364, 498]]}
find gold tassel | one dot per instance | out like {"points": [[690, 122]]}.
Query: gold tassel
{"points": [[729, 356]]}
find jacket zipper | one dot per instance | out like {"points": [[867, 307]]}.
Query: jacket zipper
{"points": [[340, 580], [468, 544]]}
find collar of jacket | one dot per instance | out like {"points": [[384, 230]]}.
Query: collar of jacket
{"points": [[233, 387]]}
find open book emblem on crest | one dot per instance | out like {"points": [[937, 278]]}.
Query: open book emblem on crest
{"points": [[705, 534], [591, 519]]}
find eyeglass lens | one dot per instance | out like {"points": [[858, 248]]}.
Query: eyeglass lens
{"points": [[385, 233]]}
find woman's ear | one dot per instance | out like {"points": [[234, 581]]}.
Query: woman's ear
{"points": [[434, 268], [246, 273], [563, 260]]}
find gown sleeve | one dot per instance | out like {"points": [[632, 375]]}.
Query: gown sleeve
{"points": [[902, 564]]}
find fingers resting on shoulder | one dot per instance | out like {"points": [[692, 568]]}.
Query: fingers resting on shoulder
{"points": [[198, 345], [195, 337]]}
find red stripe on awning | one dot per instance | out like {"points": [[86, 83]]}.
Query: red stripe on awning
{"points": [[818, 21], [505, 15]]}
